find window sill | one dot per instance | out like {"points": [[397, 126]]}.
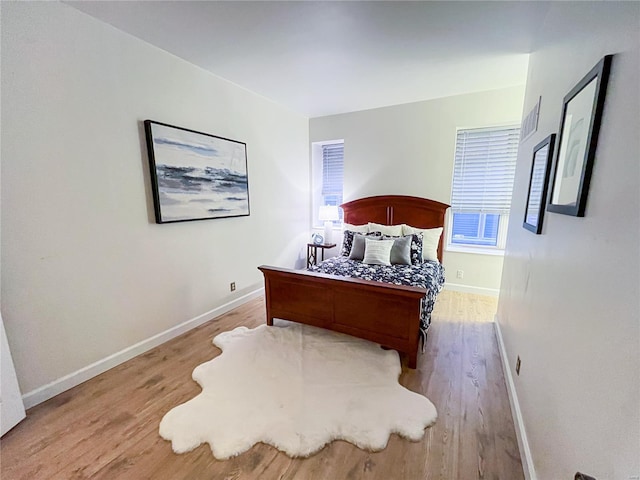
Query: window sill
{"points": [[321, 227], [496, 252]]}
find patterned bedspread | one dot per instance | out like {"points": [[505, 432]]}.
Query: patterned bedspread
{"points": [[429, 275]]}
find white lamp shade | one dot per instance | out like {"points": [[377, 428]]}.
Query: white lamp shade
{"points": [[328, 213]]}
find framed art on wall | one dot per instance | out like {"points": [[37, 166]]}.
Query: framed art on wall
{"points": [[538, 185], [529, 124], [194, 175], [577, 140]]}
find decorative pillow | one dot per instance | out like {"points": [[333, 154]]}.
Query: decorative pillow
{"points": [[377, 252], [356, 228], [430, 240], [415, 248], [347, 241], [401, 251], [393, 230], [357, 248]]}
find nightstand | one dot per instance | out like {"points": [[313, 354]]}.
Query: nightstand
{"points": [[312, 252]]}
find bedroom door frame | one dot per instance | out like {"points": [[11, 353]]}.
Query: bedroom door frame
{"points": [[11, 406]]}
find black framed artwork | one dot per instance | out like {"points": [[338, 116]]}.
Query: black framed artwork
{"points": [[538, 184], [577, 140], [195, 175]]}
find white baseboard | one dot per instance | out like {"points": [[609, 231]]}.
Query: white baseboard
{"points": [[62, 384], [518, 421], [492, 292]]}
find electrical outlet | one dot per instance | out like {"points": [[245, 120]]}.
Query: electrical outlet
{"points": [[460, 274], [518, 366], [232, 286]]}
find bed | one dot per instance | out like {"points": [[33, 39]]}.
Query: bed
{"points": [[350, 299]]}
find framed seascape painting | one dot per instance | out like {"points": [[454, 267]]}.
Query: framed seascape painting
{"points": [[196, 176], [577, 140], [538, 185]]}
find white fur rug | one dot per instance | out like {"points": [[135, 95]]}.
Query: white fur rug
{"points": [[297, 388]]}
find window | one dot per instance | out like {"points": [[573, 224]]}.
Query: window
{"points": [[484, 169], [327, 172]]}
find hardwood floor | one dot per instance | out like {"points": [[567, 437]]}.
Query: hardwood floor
{"points": [[107, 428]]}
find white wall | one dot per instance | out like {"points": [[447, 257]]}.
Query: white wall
{"points": [[569, 298], [85, 270], [409, 150]]}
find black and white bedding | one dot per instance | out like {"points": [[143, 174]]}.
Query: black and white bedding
{"points": [[428, 274]]}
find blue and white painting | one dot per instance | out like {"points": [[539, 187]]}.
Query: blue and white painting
{"points": [[198, 176]]}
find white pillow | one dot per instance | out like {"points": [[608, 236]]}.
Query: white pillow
{"points": [[391, 230], [356, 228], [430, 240], [377, 252]]}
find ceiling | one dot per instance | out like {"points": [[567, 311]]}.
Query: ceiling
{"points": [[322, 58]]}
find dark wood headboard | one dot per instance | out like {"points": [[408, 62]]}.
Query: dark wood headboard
{"points": [[397, 209]]}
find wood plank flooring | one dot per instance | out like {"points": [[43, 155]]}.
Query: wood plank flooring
{"points": [[107, 428]]}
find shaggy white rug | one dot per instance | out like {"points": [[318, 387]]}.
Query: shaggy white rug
{"points": [[297, 388]]}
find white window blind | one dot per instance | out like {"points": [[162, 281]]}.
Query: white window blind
{"points": [[332, 172], [484, 170]]}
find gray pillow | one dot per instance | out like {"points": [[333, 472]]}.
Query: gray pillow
{"points": [[377, 252], [401, 251], [357, 247]]}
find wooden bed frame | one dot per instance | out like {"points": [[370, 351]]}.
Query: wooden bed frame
{"points": [[383, 313]]}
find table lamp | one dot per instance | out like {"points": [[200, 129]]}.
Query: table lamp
{"points": [[328, 213]]}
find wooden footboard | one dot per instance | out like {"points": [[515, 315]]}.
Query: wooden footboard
{"points": [[380, 312]]}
